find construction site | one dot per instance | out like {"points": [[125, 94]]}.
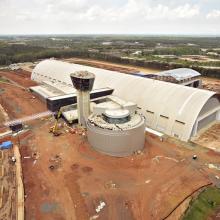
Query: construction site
{"points": [[96, 142]]}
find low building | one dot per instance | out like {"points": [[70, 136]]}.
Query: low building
{"points": [[182, 76]]}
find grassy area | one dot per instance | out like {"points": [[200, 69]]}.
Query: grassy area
{"points": [[3, 79], [204, 205]]}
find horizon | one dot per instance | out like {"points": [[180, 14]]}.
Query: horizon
{"points": [[142, 17], [109, 34]]}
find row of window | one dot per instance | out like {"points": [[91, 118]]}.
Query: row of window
{"points": [[163, 122], [52, 79], [151, 114]]}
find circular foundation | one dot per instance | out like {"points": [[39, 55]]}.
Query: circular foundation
{"points": [[118, 142]]}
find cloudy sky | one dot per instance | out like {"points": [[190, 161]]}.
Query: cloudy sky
{"points": [[110, 17]]}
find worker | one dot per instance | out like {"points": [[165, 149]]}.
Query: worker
{"points": [[13, 159], [194, 157]]}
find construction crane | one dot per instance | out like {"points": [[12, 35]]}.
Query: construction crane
{"points": [[54, 129]]}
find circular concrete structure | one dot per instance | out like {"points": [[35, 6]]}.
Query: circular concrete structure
{"points": [[118, 113], [117, 140], [116, 116]]}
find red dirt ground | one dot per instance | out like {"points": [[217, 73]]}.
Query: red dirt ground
{"points": [[21, 77], [19, 103], [146, 186]]}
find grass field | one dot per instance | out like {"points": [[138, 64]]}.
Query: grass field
{"points": [[204, 205], [2, 79]]}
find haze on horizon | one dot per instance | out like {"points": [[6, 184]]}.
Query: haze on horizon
{"points": [[176, 17]]}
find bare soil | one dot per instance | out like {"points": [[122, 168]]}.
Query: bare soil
{"points": [[20, 77], [66, 179], [211, 84], [210, 138], [8, 209], [2, 117], [18, 102], [146, 186], [112, 66], [28, 67]]}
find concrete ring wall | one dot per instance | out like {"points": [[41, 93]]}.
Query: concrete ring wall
{"points": [[116, 143]]}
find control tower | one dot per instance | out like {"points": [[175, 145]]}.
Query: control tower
{"points": [[83, 82]]}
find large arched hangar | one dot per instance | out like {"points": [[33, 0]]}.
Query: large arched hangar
{"points": [[173, 109]]}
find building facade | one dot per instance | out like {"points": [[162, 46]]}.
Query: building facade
{"points": [[172, 109]]}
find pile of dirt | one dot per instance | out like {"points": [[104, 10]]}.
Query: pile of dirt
{"points": [[210, 138], [211, 84]]}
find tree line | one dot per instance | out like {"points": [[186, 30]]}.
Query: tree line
{"points": [[17, 53]]}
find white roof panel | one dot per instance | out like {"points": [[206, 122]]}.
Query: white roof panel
{"points": [[180, 74]]}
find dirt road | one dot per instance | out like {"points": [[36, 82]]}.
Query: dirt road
{"points": [[112, 66]]}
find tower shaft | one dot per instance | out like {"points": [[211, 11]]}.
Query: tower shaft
{"points": [[83, 106]]}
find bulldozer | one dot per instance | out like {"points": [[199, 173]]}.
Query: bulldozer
{"points": [[54, 129]]}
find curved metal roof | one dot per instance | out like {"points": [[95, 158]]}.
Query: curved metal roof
{"points": [[173, 101], [180, 73]]}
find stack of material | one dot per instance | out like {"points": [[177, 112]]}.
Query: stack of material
{"points": [[6, 145]]}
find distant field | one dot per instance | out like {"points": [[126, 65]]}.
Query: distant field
{"points": [[111, 65], [146, 52]]}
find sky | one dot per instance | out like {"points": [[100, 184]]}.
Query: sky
{"points": [[169, 17]]}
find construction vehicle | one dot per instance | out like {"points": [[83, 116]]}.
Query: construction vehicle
{"points": [[54, 129]]}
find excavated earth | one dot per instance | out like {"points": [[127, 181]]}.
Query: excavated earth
{"points": [[65, 179]]}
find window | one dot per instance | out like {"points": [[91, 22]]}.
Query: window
{"points": [[178, 129], [149, 117], [163, 116], [150, 112], [162, 123], [180, 122]]}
